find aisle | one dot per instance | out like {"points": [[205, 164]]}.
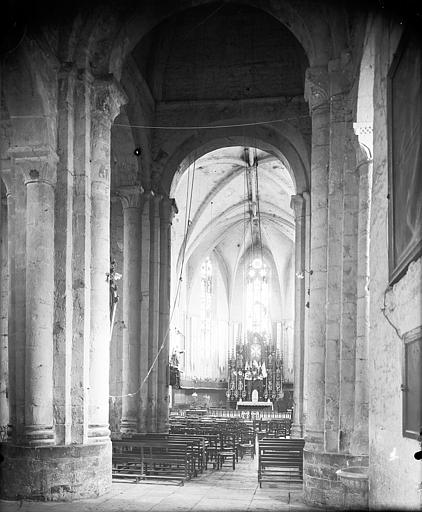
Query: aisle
{"points": [[223, 490]]}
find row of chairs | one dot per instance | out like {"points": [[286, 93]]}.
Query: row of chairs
{"points": [[280, 428], [280, 459], [231, 437], [194, 443]]}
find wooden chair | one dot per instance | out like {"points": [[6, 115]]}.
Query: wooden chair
{"points": [[227, 450], [280, 460], [247, 442]]}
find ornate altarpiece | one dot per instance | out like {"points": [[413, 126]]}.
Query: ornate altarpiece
{"points": [[256, 365]]}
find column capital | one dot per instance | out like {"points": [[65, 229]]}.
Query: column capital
{"points": [[317, 88], [156, 199], [155, 183], [297, 203], [38, 165], [168, 208], [7, 175], [364, 133], [130, 196], [108, 97], [147, 196]]}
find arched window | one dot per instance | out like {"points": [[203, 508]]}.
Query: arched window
{"points": [[257, 298]]}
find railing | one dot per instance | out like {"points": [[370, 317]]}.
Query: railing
{"points": [[232, 413]]}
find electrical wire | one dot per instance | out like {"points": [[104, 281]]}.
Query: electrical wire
{"points": [[165, 338], [244, 288], [202, 127], [386, 316], [209, 127], [203, 21], [257, 201]]}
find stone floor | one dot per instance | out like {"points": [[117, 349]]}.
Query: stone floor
{"points": [[224, 490]]}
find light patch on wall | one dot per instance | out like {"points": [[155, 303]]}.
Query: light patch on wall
{"points": [[393, 455]]}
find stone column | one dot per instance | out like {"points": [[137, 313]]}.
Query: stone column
{"points": [[81, 258], [349, 289], [359, 444], [332, 318], [307, 277], [9, 232], [145, 287], [39, 169], [341, 285], [107, 99], [131, 202], [4, 285], [63, 220], [118, 327], [316, 93], [154, 317], [334, 274], [298, 205], [17, 298], [167, 209]]}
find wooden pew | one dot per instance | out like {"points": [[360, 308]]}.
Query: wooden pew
{"points": [[155, 459], [198, 448], [280, 460]]}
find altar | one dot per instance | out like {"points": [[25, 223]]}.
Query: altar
{"points": [[254, 406], [255, 375]]}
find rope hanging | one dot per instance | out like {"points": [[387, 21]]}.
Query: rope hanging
{"points": [[165, 338]]}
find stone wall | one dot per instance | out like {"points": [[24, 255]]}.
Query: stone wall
{"points": [[56, 473], [322, 486], [56, 174], [241, 62], [394, 474], [4, 285]]}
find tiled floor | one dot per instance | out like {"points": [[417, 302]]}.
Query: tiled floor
{"points": [[224, 490]]}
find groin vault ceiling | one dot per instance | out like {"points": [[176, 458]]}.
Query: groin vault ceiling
{"points": [[215, 208]]}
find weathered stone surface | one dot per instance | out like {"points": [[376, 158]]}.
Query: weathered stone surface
{"points": [[394, 474], [131, 304], [55, 473], [321, 484]]}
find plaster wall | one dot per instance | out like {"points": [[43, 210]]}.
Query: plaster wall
{"points": [[394, 474]]}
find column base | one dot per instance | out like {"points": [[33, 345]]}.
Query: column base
{"points": [[55, 473], [98, 433], [39, 435], [323, 488], [297, 431], [128, 426]]}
